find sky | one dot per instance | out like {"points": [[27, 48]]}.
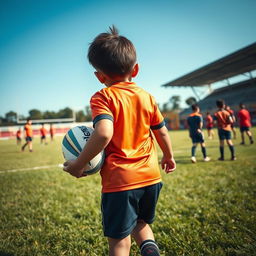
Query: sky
{"points": [[44, 43]]}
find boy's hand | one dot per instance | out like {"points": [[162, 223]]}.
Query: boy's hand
{"points": [[168, 164], [72, 168]]}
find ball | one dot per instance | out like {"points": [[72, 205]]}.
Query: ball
{"points": [[73, 144]]}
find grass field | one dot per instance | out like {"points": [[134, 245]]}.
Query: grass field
{"points": [[204, 208]]}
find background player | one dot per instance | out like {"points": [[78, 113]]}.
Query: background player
{"points": [[43, 132], [245, 123], [18, 136], [52, 132], [195, 125], [209, 125], [224, 121], [124, 116], [28, 136], [231, 112]]}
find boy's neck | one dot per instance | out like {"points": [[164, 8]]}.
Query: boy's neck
{"points": [[110, 82]]}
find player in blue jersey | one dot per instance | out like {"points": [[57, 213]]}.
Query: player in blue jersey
{"points": [[195, 125]]}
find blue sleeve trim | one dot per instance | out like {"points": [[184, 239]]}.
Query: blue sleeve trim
{"points": [[102, 116], [158, 126]]}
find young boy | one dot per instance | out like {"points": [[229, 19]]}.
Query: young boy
{"points": [[43, 133], [124, 118], [18, 137], [195, 124], [28, 136], [224, 121], [231, 112], [209, 125], [52, 132], [245, 123]]}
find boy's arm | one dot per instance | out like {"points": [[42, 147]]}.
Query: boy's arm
{"points": [[97, 142], [164, 142]]}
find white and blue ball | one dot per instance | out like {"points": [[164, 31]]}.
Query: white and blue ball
{"points": [[73, 144]]}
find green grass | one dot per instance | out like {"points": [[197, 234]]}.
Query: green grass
{"points": [[204, 208]]}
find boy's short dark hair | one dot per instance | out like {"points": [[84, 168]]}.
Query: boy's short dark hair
{"points": [[112, 54], [242, 105], [220, 103], [194, 107]]}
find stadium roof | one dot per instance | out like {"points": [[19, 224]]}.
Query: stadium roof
{"points": [[239, 62]]}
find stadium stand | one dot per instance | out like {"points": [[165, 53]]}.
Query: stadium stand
{"points": [[237, 63]]}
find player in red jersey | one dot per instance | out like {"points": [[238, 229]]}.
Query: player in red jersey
{"points": [[209, 125], [18, 136], [52, 131], [231, 112], [245, 123], [43, 133]]}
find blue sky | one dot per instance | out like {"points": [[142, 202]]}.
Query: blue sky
{"points": [[43, 45]]}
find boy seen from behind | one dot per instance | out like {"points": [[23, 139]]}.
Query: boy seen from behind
{"points": [[124, 118], [224, 120], [195, 124]]}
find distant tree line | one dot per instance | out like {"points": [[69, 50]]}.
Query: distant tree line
{"points": [[10, 117]]}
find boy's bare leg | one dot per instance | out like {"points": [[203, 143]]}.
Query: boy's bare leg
{"points": [[30, 146], [144, 238], [119, 247], [23, 147], [142, 232]]}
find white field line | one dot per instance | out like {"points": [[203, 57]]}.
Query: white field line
{"points": [[32, 168]]}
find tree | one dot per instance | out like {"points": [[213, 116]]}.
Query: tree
{"points": [[35, 114], [80, 116], [175, 101], [65, 113], [11, 117], [165, 107], [49, 115], [88, 114], [190, 101]]}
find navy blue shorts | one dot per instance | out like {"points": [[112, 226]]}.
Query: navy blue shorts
{"points": [[197, 138], [244, 128], [43, 137], [121, 210], [28, 138], [224, 135]]}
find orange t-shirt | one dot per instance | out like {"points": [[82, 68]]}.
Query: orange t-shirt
{"points": [[43, 131], [131, 159], [18, 134], [28, 130], [223, 120]]}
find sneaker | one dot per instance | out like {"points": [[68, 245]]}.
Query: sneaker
{"points": [[242, 143], [252, 142], [221, 159], [233, 158], [193, 159], [207, 159]]}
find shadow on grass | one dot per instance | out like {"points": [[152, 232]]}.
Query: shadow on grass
{"points": [[2, 253]]}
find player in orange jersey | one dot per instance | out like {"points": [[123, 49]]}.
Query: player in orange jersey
{"points": [[245, 123], [231, 112], [52, 132], [28, 135], [43, 133], [224, 121], [18, 136], [125, 118], [209, 125]]}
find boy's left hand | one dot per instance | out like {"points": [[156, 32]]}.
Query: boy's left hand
{"points": [[72, 168]]}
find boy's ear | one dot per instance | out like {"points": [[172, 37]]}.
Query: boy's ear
{"points": [[135, 70], [100, 77]]}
